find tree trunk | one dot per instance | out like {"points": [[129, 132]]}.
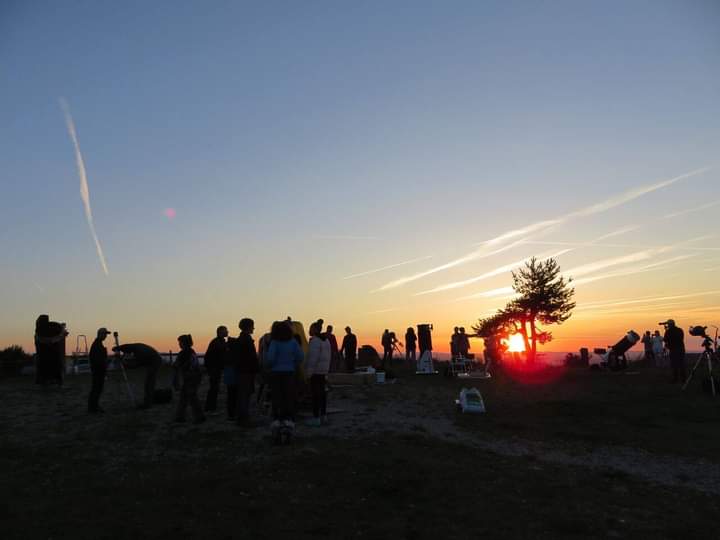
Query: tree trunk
{"points": [[533, 335], [524, 333]]}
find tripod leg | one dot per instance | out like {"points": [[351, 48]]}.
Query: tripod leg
{"points": [[712, 380], [692, 372], [127, 383]]}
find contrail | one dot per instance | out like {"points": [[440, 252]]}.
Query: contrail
{"points": [[619, 232], [477, 254], [544, 226], [491, 273], [631, 246], [84, 189], [633, 270], [502, 292], [388, 267], [343, 237], [644, 300], [614, 261], [691, 210]]}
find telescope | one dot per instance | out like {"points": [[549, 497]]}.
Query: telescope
{"points": [[616, 358]]}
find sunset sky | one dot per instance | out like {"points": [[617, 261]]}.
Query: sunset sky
{"points": [[376, 164]]}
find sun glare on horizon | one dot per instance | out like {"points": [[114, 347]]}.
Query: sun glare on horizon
{"points": [[515, 343]]}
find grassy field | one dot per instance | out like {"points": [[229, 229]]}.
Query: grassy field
{"points": [[563, 454]]}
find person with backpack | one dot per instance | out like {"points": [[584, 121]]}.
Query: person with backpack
{"points": [[316, 368], [188, 380]]}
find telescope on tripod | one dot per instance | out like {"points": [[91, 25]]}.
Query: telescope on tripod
{"points": [[709, 353]]}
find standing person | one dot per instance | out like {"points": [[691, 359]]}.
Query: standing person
{"points": [[463, 343], [647, 342], [454, 342], [214, 363], [316, 368], [334, 351], [245, 360], [349, 349], [410, 345], [189, 377], [657, 348], [387, 344], [283, 358], [675, 341], [50, 348], [146, 356], [98, 369]]}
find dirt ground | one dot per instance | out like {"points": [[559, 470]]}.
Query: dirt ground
{"points": [[559, 454]]}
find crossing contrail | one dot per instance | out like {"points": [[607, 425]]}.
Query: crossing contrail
{"points": [[84, 189], [542, 227]]}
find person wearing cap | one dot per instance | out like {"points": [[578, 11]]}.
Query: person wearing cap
{"points": [[675, 342], [98, 368], [349, 349]]}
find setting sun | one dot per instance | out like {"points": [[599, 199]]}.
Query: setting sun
{"points": [[515, 343]]}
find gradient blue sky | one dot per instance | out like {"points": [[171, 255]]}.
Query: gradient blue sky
{"points": [[275, 128]]}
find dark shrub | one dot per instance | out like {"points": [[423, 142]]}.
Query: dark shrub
{"points": [[12, 360]]}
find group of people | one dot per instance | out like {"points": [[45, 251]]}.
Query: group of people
{"points": [[654, 346], [282, 361], [459, 343]]}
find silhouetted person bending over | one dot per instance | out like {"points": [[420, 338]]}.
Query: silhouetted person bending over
{"points": [[98, 369], [675, 343], [349, 349], [146, 356], [214, 364]]}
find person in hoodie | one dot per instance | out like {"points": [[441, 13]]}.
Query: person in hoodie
{"points": [[316, 368], [282, 359], [245, 359], [189, 377]]}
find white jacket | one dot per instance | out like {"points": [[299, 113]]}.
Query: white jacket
{"points": [[318, 357]]}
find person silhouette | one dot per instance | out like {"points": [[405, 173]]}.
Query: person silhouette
{"points": [[188, 368], [98, 368], [387, 344], [349, 349], [215, 358], [144, 355], [410, 345]]}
